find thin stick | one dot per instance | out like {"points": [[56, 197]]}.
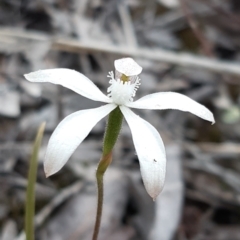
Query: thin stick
{"points": [[158, 54], [127, 25], [206, 45], [55, 202]]}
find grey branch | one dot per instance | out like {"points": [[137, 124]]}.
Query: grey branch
{"points": [[11, 35]]}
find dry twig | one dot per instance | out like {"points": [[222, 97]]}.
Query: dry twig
{"points": [[59, 199], [72, 45]]}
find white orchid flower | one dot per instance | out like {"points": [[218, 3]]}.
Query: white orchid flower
{"points": [[74, 128]]}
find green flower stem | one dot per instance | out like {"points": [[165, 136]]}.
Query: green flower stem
{"points": [[111, 134], [112, 130], [30, 195]]}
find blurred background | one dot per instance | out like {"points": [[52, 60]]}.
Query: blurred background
{"points": [[188, 46]]}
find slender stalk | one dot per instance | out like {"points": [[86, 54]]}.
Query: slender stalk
{"points": [[99, 176], [99, 207], [30, 195], [111, 134]]}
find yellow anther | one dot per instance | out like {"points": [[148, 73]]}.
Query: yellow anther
{"points": [[124, 78]]}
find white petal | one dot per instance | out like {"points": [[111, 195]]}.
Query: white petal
{"points": [[172, 100], [127, 66], [69, 134], [150, 151], [70, 79]]}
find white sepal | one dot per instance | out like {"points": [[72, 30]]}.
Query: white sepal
{"points": [[69, 134], [172, 100], [70, 79], [150, 151]]}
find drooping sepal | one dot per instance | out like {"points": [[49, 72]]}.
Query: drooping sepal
{"points": [[150, 151]]}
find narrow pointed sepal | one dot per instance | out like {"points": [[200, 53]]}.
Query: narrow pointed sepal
{"points": [[71, 79], [150, 151], [172, 100], [69, 134]]}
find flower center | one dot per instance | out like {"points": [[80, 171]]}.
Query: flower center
{"points": [[122, 89], [124, 78]]}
